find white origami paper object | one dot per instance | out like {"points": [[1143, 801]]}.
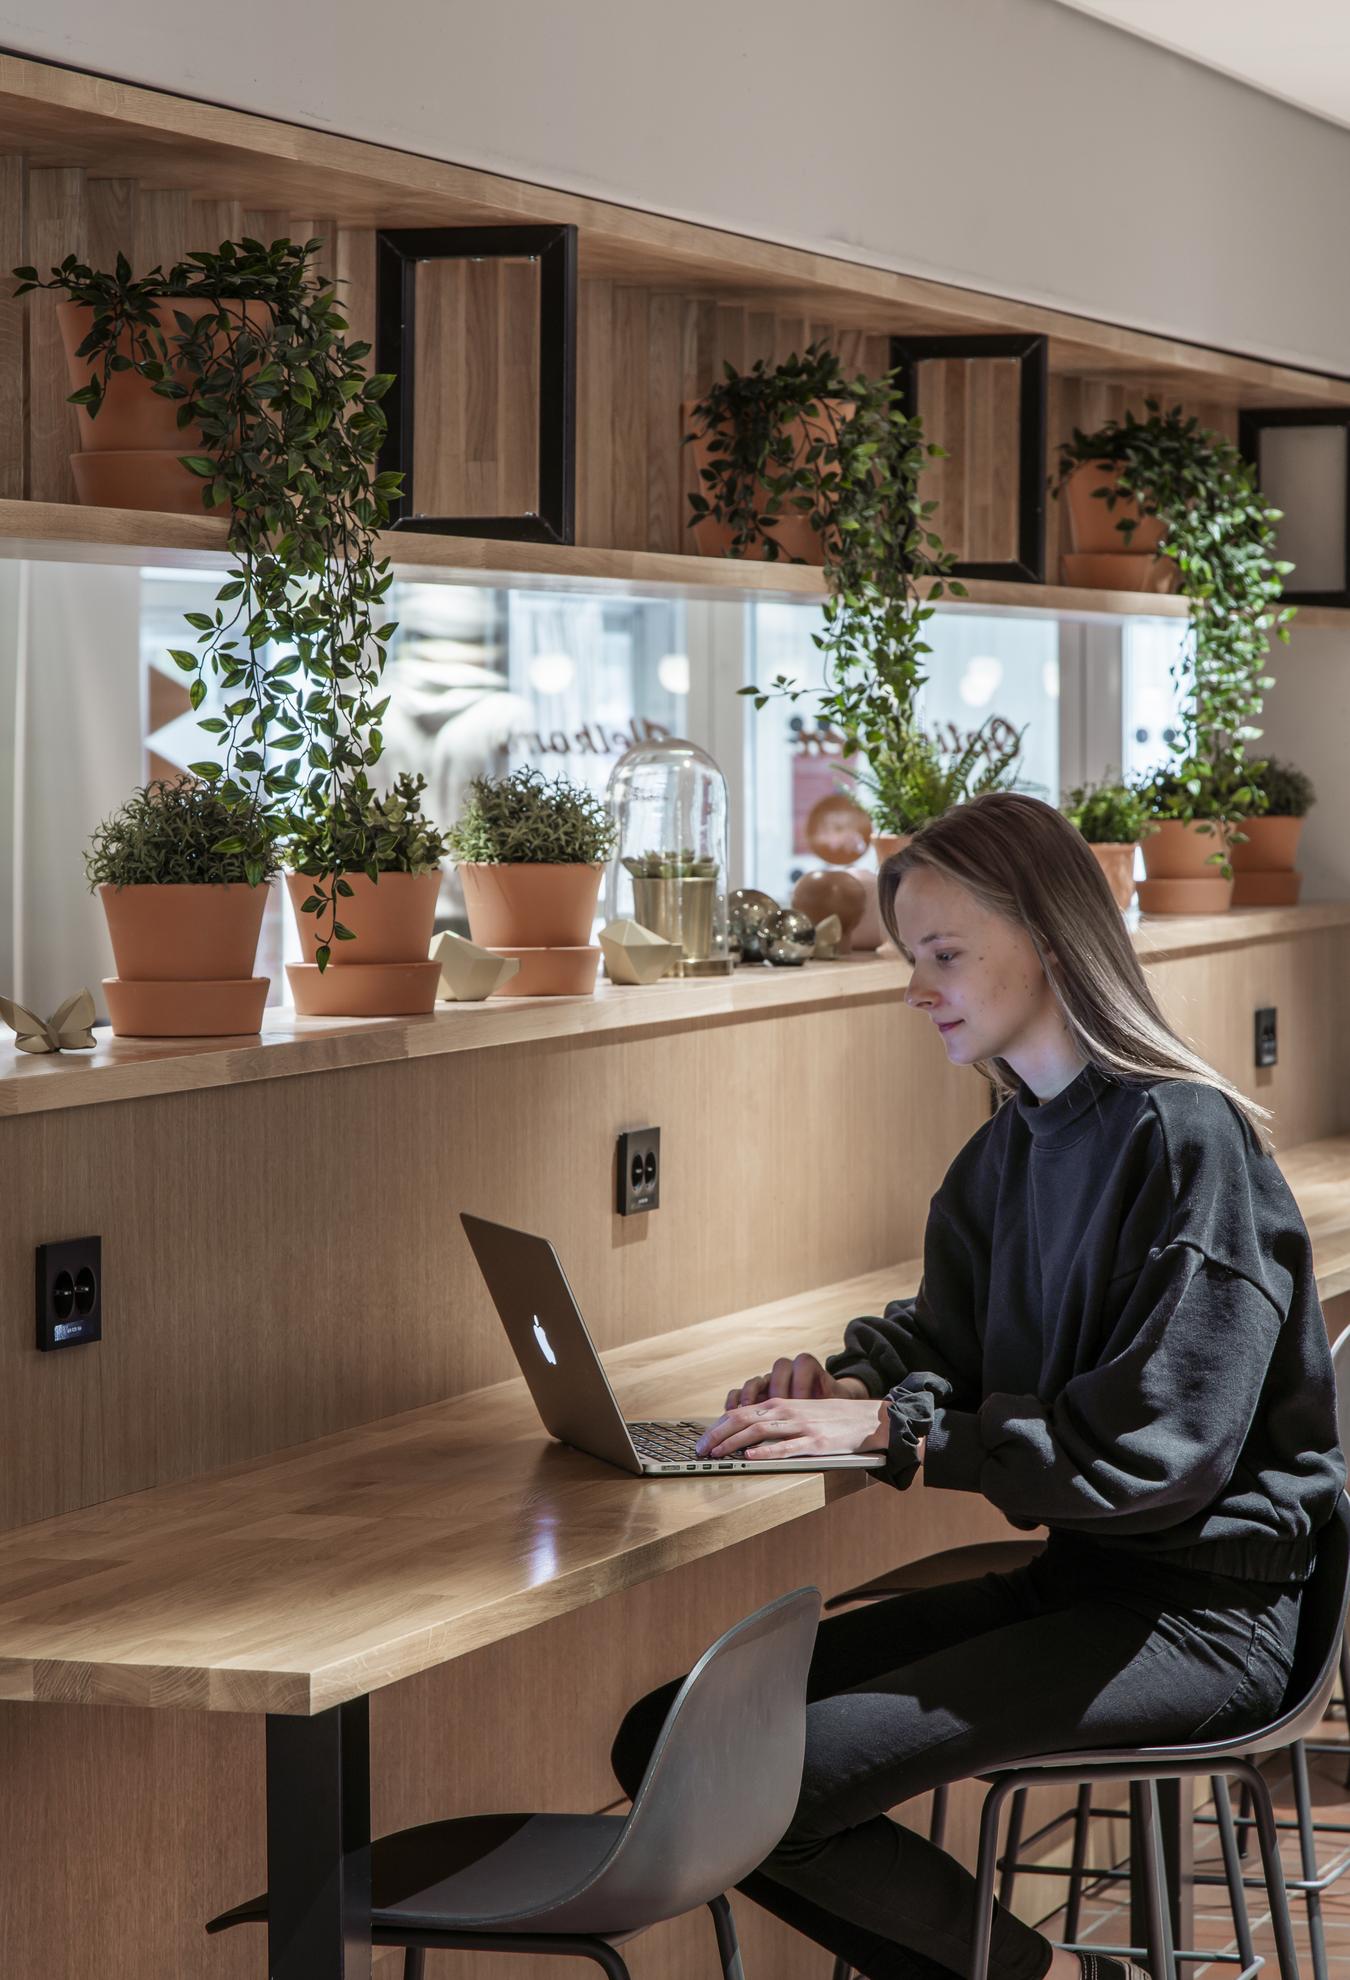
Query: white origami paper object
{"points": [[468, 973], [829, 934], [633, 954], [66, 1030]]}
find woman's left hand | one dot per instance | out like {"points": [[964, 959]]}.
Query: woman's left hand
{"points": [[787, 1427]]}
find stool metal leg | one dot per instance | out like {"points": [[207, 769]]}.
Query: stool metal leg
{"points": [[1078, 1861], [414, 1963], [982, 1929], [1269, 1838], [728, 1945], [937, 1824], [1016, 1821], [1307, 1844], [842, 1969], [1345, 1691], [1162, 1965], [1232, 1870]]}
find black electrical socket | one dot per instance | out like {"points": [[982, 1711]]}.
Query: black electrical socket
{"points": [[639, 1170], [1267, 1044], [70, 1292]]}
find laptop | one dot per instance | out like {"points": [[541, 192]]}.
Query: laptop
{"points": [[571, 1391]]}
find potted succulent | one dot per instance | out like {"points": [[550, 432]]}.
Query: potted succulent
{"points": [[531, 857], [1263, 860], [378, 860], [917, 779], [182, 875], [1113, 818]]}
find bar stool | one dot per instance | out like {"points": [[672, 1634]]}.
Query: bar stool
{"points": [[1317, 1657], [719, 1791]]}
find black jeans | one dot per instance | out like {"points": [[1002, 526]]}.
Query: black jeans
{"points": [[1085, 1648]]}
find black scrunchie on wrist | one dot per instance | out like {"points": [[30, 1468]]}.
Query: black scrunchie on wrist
{"points": [[911, 1408]]}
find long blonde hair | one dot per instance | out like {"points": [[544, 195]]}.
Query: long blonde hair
{"points": [[1022, 859]]}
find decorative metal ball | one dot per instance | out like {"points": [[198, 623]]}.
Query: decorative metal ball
{"points": [[785, 955], [750, 913], [791, 937]]}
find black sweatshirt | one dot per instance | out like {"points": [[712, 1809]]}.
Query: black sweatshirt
{"points": [[1118, 1333]]}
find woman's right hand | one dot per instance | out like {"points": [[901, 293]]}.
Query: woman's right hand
{"points": [[802, 1375]]}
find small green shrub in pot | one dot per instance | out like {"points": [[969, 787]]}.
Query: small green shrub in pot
{"points": [[915, 779], [1265, 859], [531, 855], [1113, 818], [379, 858], [182, 871], [1287, 790]]}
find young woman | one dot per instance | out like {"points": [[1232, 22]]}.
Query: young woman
{"points": [[1117, 1337]]}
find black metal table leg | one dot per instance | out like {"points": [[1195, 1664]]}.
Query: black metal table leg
{"points": [[318, 1844]]}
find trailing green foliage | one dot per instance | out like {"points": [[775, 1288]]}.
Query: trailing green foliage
{"points": [[1108, 814], [805, 440], [168, 834], [915, 780], [525, 817], [1220, 533], [290, 426], [362, 833], [1287, 790]]}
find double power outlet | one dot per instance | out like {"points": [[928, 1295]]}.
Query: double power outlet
{"points": [[639, 1171]]}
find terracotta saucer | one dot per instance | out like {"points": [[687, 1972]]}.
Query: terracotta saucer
{"points": [[364, 989], [204, 1008], [550, 973]]}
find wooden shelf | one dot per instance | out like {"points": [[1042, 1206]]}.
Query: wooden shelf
{"points": [[60, 117], [138, 1068], [65, 533]]}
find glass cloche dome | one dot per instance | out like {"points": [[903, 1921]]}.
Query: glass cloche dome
{"points": [[669, 870]]}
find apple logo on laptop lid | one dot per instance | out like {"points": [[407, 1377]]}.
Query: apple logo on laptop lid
{"points": [[545, 1348]]}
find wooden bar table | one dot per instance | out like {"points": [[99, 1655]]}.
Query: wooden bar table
{"points": [[296, 1585]]}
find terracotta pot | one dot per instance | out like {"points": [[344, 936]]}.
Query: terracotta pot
{"points": [[1179, 850], [1120, 571], [196, 1009], [797, 541], [1270, 845], [516, 904], [1185, 896], [887, 843], [391, 989], [1117, 863], [832, 892], [1273, 889], [564, 971], [1093, 526], [391, 918], [133, 415], [148, 478], [183, 932]]}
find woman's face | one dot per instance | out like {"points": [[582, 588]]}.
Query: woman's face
{"points": [[976, 974]]}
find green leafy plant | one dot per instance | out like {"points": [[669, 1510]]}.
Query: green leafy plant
{"points": [[804, 439], [1108, 814], [1288, 791], [1219, 530], [290, 427], [681, 863], [168, 833], [917, 779], [359, 832], [524, 817]]}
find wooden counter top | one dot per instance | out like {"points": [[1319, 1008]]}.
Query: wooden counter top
{"points": [[297, 1581], [134, 1068], [331, 1569]]}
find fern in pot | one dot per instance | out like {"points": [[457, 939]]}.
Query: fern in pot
{"points": [[531, 856], [916, 779]]}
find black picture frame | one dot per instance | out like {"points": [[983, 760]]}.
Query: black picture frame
{"points": [[399, 251], [1252, 422], [908, 353]]}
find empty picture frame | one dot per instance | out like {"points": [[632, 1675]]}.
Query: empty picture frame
{"points": [[400, 252], [1302, 459], [1027, 564]]}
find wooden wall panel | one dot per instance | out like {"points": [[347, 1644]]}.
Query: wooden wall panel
{"points": [[58, 223], [476, 388], [13, 329]]}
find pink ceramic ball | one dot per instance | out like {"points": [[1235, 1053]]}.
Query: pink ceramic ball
{"points": [[832, 891], [869, 933]]}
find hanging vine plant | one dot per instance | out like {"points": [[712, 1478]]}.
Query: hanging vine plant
{"points": [[1220, 532], [805, 441], [285, 425]]}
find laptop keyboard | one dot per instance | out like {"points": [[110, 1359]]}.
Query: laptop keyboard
{"points": [[667, 1443]]}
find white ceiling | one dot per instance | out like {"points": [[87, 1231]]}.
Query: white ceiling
{"points": [[1299, 50]]}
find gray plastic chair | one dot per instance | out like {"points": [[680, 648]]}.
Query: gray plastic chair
{"points": [[719, 1791]]}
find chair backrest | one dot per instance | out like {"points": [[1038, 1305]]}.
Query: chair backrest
{"points": [[1340, 1362], [1321, 1629], [723, 1780]]}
